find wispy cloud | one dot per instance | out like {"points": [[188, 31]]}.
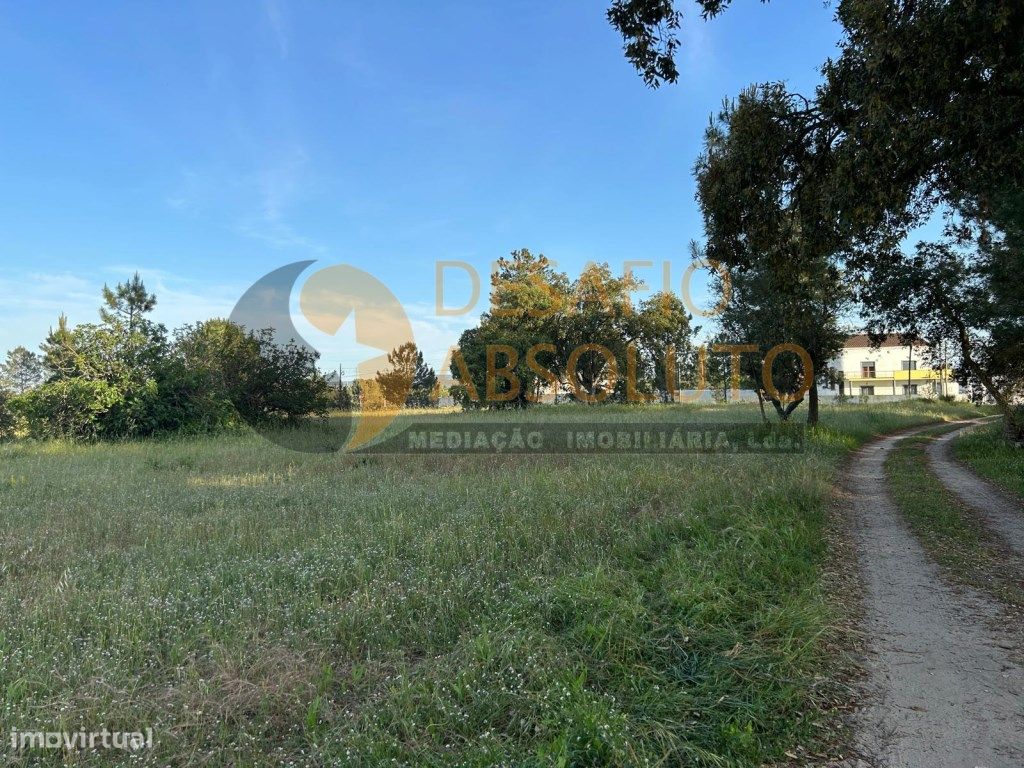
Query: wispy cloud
{"points": [[31, 303], [277, 18], [279, 182], [44, 292], [698, 52], [252, 200]]}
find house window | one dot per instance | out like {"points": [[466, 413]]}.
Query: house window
{"points": [[910, 389], [867, 370], [909, 365], [867, 390]]}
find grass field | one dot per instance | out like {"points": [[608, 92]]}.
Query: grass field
{"points": [[257, 606], [983, 451]]}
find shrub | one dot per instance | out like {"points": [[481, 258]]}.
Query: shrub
{"points": [[221, 369], [69, 408], [7, 418]]}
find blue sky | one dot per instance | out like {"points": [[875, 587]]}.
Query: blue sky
{"points": [[205, 144]]}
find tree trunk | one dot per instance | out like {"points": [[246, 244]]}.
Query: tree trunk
{"points": [[812, 404], [760, 402], [1013, 417]]}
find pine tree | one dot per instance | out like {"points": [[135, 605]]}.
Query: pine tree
{"points": [[22, 371], [127, 304]]}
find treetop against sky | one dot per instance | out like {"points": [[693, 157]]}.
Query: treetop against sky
{"points": [[206, 145]]}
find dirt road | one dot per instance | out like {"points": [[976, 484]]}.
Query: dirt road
{"points": [[1002, 513], [943, 692]]}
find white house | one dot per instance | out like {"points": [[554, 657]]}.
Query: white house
{"points": [[891, 371]]}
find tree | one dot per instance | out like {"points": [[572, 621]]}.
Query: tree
{"points": [[409, 381], [125, 351], [545, 331], [778, 239], [595, 332], [649, 30], [528, 299], [127, 305], [61, 359], [221, 363], [664, 336], [22, 370], [357, 394], [205, 373], [343, 399], [369, 396], [125, 347], [924, 95], [122, 378], [920, 109], [98, 354], [7, 418], [76, 409], [962, 297], [424, 384], [767, 310]]}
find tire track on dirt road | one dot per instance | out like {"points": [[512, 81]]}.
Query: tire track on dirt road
{"points": [[998, 510], [943, 691]]}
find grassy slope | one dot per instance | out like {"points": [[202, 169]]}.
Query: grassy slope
{"points": [[987, 454], [257, 606]]}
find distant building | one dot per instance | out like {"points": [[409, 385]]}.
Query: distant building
{"points": [[891, 371]]}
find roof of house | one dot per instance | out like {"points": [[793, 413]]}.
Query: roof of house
{"points": [[862, 341]]}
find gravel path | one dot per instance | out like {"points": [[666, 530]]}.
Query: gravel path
{"points": [[943, 692], [1005, 515]]}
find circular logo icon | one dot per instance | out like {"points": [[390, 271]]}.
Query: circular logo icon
{"points": [[329, 298]]}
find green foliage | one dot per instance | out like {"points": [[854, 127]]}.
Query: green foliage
{"points": [[21, 371], [197, 376], [527, 297], [222, 367], [74, 408], [408, 381], [8, 421], [599, 311], [543, 331], [99, 352], [649, 30], [663, 336], [343, 399], [918, 110], [920, 105], [108, 371], [962, 296], [778, 242], [122, 378], [127, 305], [766, 310]]}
